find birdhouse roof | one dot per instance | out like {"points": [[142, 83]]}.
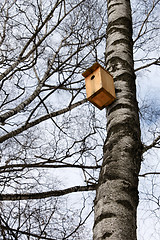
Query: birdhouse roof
{"points": [[91, 69]]}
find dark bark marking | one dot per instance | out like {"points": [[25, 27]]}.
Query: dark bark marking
{"points": [[107, 235], [123, 31], [109, 53], [129, 79], [126, 204], [133, 193], [113, 5], [114, 61], [118, 90], [114, 171], [104, 216], [121, 105], [111, 176], [125, 22], [126, 77], [125, 128], [122, 40]]}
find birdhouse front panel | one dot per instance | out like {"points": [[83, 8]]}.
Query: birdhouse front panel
{"points": [[99, 86], [93, 82]]}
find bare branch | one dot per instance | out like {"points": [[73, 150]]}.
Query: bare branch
{"points": [[21, 167], [154, 144], [26, 233], [141, 32], [156, 62], [39, 120], [56, 193], [149, 173]]}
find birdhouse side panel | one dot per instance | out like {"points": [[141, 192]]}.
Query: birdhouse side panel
{"points": [[107, 82], [93, 82]]}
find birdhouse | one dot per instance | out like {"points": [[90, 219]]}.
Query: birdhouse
{"points": [[99, 86]]}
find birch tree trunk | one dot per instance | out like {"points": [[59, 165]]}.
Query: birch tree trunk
{"points": [[117, 194]]}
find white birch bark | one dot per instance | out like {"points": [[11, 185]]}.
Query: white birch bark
{"points": [[117, 195]]}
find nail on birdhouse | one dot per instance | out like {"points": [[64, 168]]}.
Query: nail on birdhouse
{"points": [[100, 88]]}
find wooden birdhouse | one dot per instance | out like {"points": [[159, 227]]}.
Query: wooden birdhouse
{"points": [[99, 86]]}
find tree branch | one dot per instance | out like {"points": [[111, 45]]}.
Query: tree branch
{"points": [[153, 144], [39, 120], [140, 34], [21, 167], [156, 62], [55, 193], [27, 234], [149, 173]]}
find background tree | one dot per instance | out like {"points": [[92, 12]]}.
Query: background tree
{"points": [[50, 132]]}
